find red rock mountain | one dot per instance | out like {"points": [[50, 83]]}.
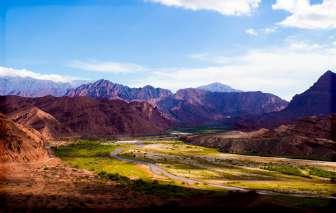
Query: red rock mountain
{"points": [[86, 116], [310, 137], [18, 143], [320, 99], [193, 107]]}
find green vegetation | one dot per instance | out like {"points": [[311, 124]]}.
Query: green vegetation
{"points": [[322, 173], [285, 169], [95, 156], [84, 148]]}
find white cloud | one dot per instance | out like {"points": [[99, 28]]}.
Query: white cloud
{"points": [[306, 15], [224, 7], [284, 71], [106, 67], [262, 31], [251, 32], [11, 72]]}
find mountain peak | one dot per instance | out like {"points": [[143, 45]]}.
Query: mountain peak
{"points": [[328, 74], [318, 99], [326, 82], [218, 87], [102, 81]]}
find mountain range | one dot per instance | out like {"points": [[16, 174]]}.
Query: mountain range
{"points": [[304, 127], [104, 89], [213, 104], [190, 107]]}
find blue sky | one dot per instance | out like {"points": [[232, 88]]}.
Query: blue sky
{"points": [[277, 46]]}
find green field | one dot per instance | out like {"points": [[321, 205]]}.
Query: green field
{"points": [[172, 163]]}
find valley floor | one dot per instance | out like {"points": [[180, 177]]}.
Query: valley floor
{"points": [[149, 172]]}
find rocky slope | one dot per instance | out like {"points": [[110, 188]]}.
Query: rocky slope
{"points": [[311, 137], [194, 107], [86, 116], [108, 90], [18, 143], [29, 87]]}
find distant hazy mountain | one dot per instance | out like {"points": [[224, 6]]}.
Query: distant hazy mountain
{"points": [[218, 87], [29, 87], [108, 90]]}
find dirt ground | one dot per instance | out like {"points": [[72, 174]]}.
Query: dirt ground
{"points": [[51, 184]]}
